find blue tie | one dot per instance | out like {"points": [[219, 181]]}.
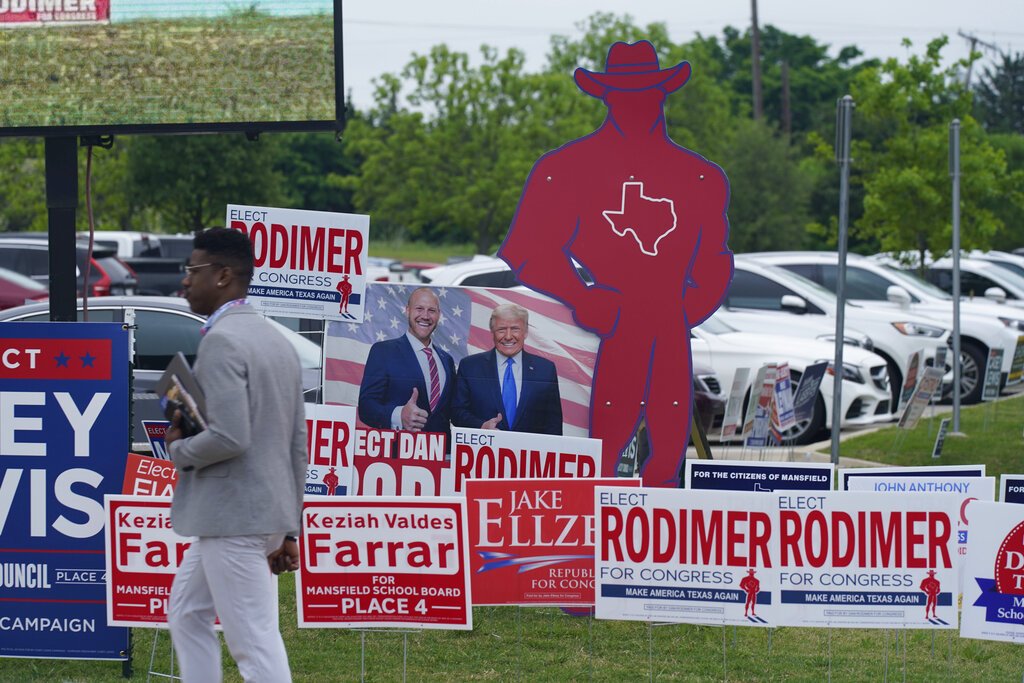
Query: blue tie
{"points": [[508, 393]]}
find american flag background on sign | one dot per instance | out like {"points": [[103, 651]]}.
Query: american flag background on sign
{"points": [[464, 329]]}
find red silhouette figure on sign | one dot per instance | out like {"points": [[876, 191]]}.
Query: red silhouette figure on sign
{"points": [[345, 288], [930, 587], [331, 481], [750, 585], [646, 219]]}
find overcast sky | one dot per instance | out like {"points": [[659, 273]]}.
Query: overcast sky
{"points": [[380, 35]]}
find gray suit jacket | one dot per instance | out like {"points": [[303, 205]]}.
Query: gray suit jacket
{"points": [[245, 475]]}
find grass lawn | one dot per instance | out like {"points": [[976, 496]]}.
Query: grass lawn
{"points": [[542, 644], [991, 434]]}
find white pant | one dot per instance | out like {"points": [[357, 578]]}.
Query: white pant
{"points": [[227, 577]]}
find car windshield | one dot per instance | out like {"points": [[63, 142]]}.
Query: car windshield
{"points": [[309, 352], [916, 282], [1008, 265]]}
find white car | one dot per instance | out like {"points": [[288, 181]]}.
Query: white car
{"points": [[479, 271], [983, 325], [865, 388], [979, 278], [758, 286]]}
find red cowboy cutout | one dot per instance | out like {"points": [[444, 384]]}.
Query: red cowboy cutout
{"points": [[750, 585], [331, 481], [646, 219], [345, 289], [930, 587]]}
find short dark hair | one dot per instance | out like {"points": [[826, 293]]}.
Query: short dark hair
{"points": [[231, 247]]}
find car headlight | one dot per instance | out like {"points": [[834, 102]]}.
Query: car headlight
{"points": [[919, 329], [863, 341], [851, 372], [1012, 322]]}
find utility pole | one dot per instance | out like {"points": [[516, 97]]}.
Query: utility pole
{"points": [[755, 59], [974, 41]]}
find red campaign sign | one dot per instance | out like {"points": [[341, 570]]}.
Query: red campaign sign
{"points": [[392, 477], [54, 11], [532, 540], [143, 553], [62, 359], [384, 562], [145, 475]]}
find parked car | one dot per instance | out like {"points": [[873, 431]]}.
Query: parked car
{"points": [[979, 278], [176, 246], [865, 378], [164, 326], [108, 275], [983, 325], [126, 243], [708, 399], [896, 336], [479, 271], [17, 289]]}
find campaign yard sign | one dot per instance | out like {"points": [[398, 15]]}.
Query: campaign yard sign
{"points": [[308, 264], [867, 560], [993, 368], [993, 605], [1011, 488], [694, 557], [963, 489], [53, 12], [384, 562], [845, 474], [744, 475], [156, 430], [330, 436], [143, 553], [532, 540], [731, 421], [145, 475], [63, 443], [828, 558]]}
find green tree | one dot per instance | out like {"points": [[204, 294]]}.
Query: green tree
{"points": [[447, 145], [23, 192], [190, 179], [769, 190], [999, 96], [902, 118]]}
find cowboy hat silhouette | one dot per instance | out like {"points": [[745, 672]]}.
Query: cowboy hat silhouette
{"points": [[632, 66]]}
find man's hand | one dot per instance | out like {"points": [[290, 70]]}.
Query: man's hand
{"points": [[492, 423], [285, 558], [174, 431], [599, 310], [414, 418]]}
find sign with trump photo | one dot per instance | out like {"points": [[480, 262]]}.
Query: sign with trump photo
{"points": [[381, 366]]}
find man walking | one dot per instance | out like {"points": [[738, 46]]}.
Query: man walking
{"points": [[240, 481]]}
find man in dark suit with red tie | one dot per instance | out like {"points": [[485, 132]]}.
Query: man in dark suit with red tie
{"points": [[507, 387], [407, 381]]}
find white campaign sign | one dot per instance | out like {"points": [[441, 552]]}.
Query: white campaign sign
{"points": [[993, 605]]}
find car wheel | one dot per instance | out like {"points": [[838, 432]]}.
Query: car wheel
{"points": [[806, 431], [972, 374]]}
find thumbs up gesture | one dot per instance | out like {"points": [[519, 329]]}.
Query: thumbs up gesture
{"points": [[492, 423], [413, 417]]}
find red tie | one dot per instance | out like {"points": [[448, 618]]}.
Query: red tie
{"points": [[435, 380]]}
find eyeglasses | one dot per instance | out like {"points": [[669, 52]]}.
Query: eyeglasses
{"points": [[192, 269]]}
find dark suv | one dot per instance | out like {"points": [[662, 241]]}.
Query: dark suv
{"points": [[107, 274]]}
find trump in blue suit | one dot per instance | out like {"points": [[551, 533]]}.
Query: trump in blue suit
{"points": [[399, 376], [508, 381]]}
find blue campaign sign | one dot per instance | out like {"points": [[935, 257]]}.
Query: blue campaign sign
{"points": [[933, 471], [1011, 488], [63, 446], [742, 475]]}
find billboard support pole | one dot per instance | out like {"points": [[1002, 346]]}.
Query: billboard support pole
{"points": [[61, 205]]}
